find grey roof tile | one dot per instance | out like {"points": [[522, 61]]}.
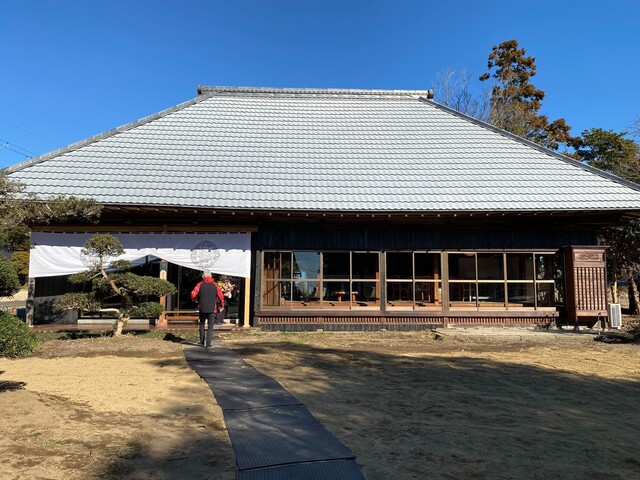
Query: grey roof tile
{"points": [[247, 148]]}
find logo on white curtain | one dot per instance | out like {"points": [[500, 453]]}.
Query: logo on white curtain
{"points": [[205, 255]]}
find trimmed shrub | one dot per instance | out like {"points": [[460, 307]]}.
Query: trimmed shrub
{"points": [[16, 340], [9, 281], [146, 310]]}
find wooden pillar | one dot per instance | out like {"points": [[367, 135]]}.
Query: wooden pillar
{"points": [[163, 276], [247, 303], [162, 322]]}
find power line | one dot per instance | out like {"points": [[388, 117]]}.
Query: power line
{"points": [[30, 133], [8, 146]]}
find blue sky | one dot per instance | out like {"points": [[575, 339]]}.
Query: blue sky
{"points": [[72, 69]]}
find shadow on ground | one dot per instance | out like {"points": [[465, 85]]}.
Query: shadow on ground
{"points": [[9, 386], [459, 416]]}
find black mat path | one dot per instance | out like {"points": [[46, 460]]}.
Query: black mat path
{"points": [[249, 391], [274, 436], [263, 437], [330, 470]]}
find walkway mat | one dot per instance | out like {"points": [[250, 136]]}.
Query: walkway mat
{"points": [[198, 352], [244, 391], [280, 435], [273, 436], [332, 470], [220, 369]]}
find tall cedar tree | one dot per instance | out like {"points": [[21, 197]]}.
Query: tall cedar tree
{"points": [[515, 102]]}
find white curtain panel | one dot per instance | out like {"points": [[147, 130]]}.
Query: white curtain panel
{"points": [[54, 253]]}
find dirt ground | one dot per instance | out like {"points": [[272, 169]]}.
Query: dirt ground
{"points": [[464, 404]]}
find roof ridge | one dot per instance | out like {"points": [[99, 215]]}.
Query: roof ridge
{"points": [[102, 136], [213, 90]]}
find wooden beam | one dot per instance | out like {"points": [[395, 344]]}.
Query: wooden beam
{"points": [[148, 229]]}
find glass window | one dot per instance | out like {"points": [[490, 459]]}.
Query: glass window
{"points": [[545, 268], [490, 266], [462, 295], [403, 290], [365, 294], [272, 263], [399, 265], [520, 266], [272, 294], [428, 294], [336, 293], [365, 265], [306, 264], [491, 295], [333, 280], [427, 266], [520, 295], [335, 265], [462, 266], [351, 280], [545, 297], [400, 293], [305, 291]]}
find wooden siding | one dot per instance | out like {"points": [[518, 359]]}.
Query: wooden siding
{"points": [[417, 237]]}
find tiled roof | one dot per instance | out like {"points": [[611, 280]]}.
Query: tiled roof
{"points": [[329, 150]]}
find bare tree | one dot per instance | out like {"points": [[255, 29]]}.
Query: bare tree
{"points": [[634, 129], [453, 89]]}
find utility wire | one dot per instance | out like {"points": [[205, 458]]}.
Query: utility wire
{"points": [[8, 146], [30, 133]]}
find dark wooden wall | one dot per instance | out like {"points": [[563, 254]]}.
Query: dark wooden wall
{"points": [[416, 237]]}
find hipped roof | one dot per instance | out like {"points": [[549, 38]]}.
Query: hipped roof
{"points": [[321, 150]]}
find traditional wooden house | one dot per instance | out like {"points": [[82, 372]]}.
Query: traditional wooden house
{"points": [[340, 209]]}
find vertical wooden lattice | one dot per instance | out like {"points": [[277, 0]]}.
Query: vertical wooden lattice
{"points": [[589, 292]]}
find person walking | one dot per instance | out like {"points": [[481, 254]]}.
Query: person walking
{"points": [[210, 299]]}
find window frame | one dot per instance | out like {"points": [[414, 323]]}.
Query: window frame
{"points": [[353, 293]]}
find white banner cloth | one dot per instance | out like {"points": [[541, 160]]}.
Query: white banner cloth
{"points": [[54, 253]]}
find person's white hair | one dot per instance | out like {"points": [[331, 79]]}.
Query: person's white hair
{"points": [[206, 274]]}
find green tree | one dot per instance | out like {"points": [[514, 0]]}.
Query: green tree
{"points": [[21, 262], [613, 152], [19, 210], [609, 151], [16, 339], [9, 281], [515, 102], [111, 278], [623, 244]]}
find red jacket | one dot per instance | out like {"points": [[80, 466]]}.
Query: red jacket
{"points": [[196, 291]]}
